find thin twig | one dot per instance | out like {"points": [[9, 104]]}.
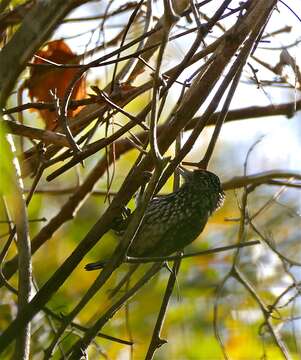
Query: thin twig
{"points": [[156, 341], [144, 260], [83, 343]]}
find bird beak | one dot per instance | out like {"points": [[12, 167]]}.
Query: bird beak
{"points": [[184, 172]]}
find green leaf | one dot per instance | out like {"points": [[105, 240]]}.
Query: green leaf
{"points": [[7, 171]]}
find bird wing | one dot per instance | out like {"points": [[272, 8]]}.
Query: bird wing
{"points": [[153, 229], [166, 229]]}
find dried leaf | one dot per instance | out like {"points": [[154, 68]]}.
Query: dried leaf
{"points": [[43, 81]]}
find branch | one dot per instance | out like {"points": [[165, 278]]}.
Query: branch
{"points": [[259, 179], [49, 137], [156, 341], [82, 344], [66, 213], [20, 218], [144, 260], [195, 96], [193, 99], [113, 264], [253, 112], [265, 311]]}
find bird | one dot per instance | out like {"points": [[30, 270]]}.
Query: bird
{"points": [[173, 221]]}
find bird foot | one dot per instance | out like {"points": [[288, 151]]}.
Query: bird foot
{"points": [[120, 222]]}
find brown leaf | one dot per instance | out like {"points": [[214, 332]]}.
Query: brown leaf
{"points": [[43, 81]]}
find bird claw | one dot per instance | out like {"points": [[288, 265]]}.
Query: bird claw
{"points": [[167, 267], [120, 222], [147, 176]]}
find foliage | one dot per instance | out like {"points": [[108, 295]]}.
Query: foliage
{"points": [[141, 88]]}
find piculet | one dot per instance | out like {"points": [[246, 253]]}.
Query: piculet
{"points": [[173, 221]]}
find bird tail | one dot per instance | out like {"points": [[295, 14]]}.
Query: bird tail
{"points": [[95, 266]]}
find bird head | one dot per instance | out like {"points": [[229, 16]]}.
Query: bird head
{"points": [[203, 180], [205, 177]]}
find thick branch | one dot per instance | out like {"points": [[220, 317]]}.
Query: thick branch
{"points": [[17, 202], [49, 137]]}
